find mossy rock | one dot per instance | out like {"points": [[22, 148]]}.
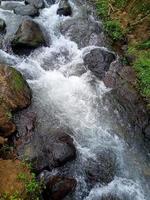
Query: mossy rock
{"points": [[15, 94], [28, 36]]}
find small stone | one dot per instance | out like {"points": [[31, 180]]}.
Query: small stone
{"points": [[28, 10], [64, 8], [2, 25], [36, 3]]}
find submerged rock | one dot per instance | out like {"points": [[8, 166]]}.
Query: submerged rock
{"points": [[28, 10], [64, 8], [50, 2], [110, 197], [10, 5], [28, 35], [2, 25], [102, 169], [59, 187], [36, 3], [147, 131], [83, 31], [15, 94], [98, 60]]}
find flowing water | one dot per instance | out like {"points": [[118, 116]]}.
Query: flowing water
{"points": [[65, 93]]}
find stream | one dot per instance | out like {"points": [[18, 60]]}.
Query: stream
{"points": [[66, 94]]}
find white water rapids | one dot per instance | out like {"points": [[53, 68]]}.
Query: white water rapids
{"points": [[60, 90]]}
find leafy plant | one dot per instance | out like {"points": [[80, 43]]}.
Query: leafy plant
{"points": [[114, 29], [144, 45], [142, 66], [33, 188], [6, 196]]}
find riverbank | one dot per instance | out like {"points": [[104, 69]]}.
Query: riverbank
{"points": [[127, 23]]}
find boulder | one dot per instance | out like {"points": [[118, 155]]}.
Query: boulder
{"points": [[98, 60], [64, 8], [2, 25], [102, 169], [59, 187], [57, 148], [15, 94], [10, 5], [36, 3], [28, 10], [28, 36], [84, 31]]}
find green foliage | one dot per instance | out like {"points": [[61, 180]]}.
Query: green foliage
{"points": [[114, 29], [144, 45], [18, 82], [6, 196], [142, 66], [119, 3], [33, 188], [102, 8]]}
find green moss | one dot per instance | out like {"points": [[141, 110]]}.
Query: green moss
{"points": [[114, 30], [6, 196], [17, 80], [144, 45], [32, 187], [102, 7], [142, 67]]}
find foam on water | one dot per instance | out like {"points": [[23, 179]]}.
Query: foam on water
{"points": [[120, 187]]}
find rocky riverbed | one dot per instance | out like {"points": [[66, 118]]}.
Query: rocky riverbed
{"points": [[68, 107]]}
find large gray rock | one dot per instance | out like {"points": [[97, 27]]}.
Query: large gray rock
{"points": [[10, 5], [36, 3], [102, 169], [98, 60], [64, 8], [28, 35], [26, 10], [83, 31], [54, 150]]}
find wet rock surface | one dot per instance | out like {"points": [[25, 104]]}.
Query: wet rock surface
{"points": [[64, 8], [28, 10], [110, 197], [14, 95], [10, 5], [59, 187], [36, 3], [76, 30], [101, 169], [124, 83], [52, 150], [28, 36], [98, 60], [147, 131], [2, 25]]}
